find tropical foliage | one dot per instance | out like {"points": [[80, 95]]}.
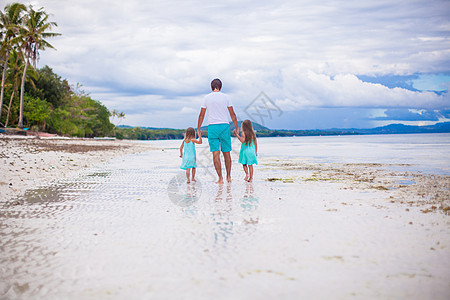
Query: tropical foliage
{"points": [[51, 105], [10, 19], [39, 98], [138, 133]]}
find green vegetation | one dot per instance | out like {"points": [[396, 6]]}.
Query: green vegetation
{"points": [[145, 133], [138, 133], [39, 98]]}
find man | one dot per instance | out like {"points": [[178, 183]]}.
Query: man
{"points": [[219, 107]]}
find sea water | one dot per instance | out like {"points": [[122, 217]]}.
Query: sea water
{"points": [[427, 153]]}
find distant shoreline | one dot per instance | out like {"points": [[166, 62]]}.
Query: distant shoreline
{"points": [[124, 132], [151, 133]]}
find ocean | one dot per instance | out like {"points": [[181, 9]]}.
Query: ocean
{"points": [[427, 153]]}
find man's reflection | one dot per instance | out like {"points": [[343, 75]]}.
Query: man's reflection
{"points": [[222, 214]]}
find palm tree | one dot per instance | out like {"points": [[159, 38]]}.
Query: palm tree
{"points": [[113, 114], [9, 21], [121, 116], [33, 34], [15, 69]]}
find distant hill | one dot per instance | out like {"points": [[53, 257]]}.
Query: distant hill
{"points": [[403, 129]]}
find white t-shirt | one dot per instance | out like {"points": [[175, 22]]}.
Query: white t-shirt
{"points": [[216, 104]]}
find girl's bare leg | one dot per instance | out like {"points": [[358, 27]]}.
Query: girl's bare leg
{"points": [[193, 175], [250, 169], [188, 173], [246, 172]]}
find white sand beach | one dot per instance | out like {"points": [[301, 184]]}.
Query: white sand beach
{"points": [[316, 223], [28, 162]]}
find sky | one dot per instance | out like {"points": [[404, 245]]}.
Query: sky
{"points": [[295, 64]]}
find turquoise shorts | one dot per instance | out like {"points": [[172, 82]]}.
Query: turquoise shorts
{"points": [[219, 137]]}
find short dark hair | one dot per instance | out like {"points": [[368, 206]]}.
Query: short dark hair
{"points": [[216, 84]]}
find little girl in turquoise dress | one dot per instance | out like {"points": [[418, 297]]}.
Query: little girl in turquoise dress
{"points": [[187, 153], [249, 149]]}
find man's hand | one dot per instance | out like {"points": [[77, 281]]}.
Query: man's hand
{"points": [[199, 132], [233, 118], [201, 116]]}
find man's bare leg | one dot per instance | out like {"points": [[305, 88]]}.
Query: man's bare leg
{"points": [[218, 165], [227, 158]]}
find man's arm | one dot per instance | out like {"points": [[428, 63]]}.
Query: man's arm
{"points": [[233, 118], [201, 117]]}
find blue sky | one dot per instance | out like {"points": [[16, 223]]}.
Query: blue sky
{"points": [[320, 64]]}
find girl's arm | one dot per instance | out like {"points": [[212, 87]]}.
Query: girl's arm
{"points": [[241, 139], [181, 148], [256, 147], [199, 141]]}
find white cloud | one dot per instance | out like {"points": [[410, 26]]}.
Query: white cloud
{"points": [[303, 54], [188, 110], [307, 89]]}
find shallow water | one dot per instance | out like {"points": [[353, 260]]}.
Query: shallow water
{"points": [[132, 228], [427, 153]]}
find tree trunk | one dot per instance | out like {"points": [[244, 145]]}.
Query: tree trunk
{"points": [[22, 88], [9, 107], [3, 83]]}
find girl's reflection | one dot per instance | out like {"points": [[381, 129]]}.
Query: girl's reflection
{"points": [[226, 220], [190, 197], [249, 204], [249, 201]]}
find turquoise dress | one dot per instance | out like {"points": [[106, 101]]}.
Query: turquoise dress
{"points": [[189, 157], [247, 156]]}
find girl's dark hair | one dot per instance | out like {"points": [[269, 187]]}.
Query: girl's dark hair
{"points": [[190, 134], [250, 134], [216, 84]]}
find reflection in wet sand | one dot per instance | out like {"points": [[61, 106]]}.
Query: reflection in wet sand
{"points": [[222, 215], [249, 206], [183, 194]]}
